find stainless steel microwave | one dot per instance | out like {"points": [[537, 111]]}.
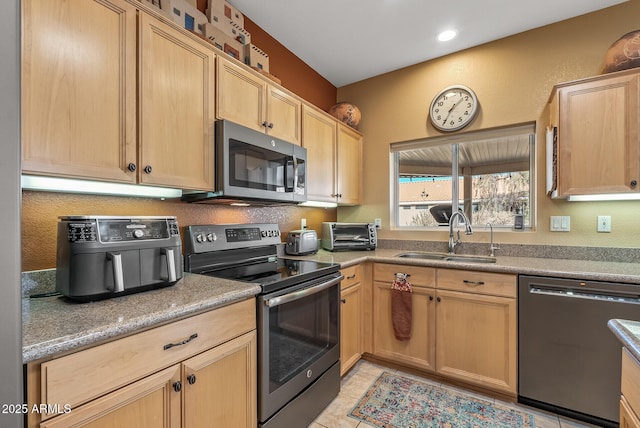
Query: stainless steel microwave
{"points": [[255, 167]]}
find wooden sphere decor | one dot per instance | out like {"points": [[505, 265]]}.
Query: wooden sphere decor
{"points": [[346, 113], [624, 53]]}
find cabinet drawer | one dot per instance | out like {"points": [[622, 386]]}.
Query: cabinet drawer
{"points": [[631, 380], [420, 275], [85, 375], [352, 275], [497, 284]]}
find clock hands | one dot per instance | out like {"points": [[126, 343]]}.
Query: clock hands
{"points": [[451, 109]]}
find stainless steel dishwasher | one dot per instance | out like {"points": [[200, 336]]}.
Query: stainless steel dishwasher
{"points": [[568, 359]]}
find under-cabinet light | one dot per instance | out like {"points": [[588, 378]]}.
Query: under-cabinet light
{"points": [[318, 204], [67, 185], [605, 197]]}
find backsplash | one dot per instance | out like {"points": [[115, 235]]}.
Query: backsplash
{"points": [[40, 212]]}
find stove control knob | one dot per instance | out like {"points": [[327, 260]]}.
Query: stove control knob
{"points": [[276, 233], [263, 233], [200, 238], [138, 233], [211, 237]]}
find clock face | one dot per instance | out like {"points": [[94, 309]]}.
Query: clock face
{"points": [[453, 108]]}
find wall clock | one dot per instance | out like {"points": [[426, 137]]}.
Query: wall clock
{"points": [[453, 108]]}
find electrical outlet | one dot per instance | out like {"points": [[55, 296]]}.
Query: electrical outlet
{"points": [[378, 223], [604, 223], [303, 223]]}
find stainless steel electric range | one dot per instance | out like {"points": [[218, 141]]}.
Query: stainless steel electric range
{"points": [[298, 316]]}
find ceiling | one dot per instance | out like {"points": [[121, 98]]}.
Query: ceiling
{"points": [[348, 41]]}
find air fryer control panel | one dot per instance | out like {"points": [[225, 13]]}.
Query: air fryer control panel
{"points": [[112, 230]]}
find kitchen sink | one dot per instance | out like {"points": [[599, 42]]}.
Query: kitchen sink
{"points": [[460, 258]]}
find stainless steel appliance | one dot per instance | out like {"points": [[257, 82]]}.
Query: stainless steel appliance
{"points": [[349, 236], [253, 166], [298, 316], [99, 257], [568, 360], [301, 242]]}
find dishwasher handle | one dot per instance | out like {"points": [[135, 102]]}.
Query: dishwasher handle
{"points": [[610, 296]]}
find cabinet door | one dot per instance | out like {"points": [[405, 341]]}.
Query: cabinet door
{"points": [[349, 170], [240, 96], [223, 389], [599, 150], [284, 115], [176, 108], [152, 402], [476, 339], [350, 327], [418, 351], [319, 138], [628, 418], [78, 88]]}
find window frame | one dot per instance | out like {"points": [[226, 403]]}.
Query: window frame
{"points": [[455, 140]]}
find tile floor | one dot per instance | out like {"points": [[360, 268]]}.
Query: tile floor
{"points": [[364, 373]]}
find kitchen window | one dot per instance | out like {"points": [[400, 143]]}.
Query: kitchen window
{"points": [[489, 175]]}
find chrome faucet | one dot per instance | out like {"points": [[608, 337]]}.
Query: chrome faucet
{"points": [[467, 225], [493, 247]]}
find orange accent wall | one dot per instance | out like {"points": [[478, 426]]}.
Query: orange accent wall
{"points": [[295, 74]]}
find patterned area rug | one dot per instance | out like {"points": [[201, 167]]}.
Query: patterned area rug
{"points": [[396, 401]]}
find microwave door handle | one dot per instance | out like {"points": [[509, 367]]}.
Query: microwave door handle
{"points": [[171, 264], [118, 276], [289, 160], [296, 295], [295, 174]]}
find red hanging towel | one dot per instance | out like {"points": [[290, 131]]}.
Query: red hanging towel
{"points": [[401, 307]]}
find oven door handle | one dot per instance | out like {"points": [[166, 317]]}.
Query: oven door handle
{"points": [[286, 298]]}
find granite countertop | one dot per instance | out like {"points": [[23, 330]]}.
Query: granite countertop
{"points": [[54, 325], [629, 334], [552, 267]]}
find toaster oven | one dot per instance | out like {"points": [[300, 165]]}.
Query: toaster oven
{"points": [[349, 236]]}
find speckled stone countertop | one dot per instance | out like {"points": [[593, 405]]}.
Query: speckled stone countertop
{"points": [[629, 334], [54, 325], [559, 268]]}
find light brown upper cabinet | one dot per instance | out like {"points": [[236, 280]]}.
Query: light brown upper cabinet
{"points": [[248, 99], [334, 158], [107, 98], [597, 122]]}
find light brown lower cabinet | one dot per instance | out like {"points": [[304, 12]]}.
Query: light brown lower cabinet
{"points": [[351, 298], [630, 387], [196, 372], [464, 325]]}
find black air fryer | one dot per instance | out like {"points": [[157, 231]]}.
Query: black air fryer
{"points": [[99, 257]]}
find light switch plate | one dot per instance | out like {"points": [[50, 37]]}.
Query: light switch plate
{"points": [[560, 223]]}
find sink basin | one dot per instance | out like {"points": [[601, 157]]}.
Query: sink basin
{"points": [[470, 259], [460, 258], [419, 255]]}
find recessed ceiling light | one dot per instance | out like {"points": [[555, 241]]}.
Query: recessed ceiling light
{"points": [[447, 35]]}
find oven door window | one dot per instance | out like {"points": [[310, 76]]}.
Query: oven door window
{"points": [[259, 168], [300, 333]]}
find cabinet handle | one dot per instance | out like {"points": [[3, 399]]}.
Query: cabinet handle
{"points": [[147, 169], [431, 298], [634, 183], [191, 379], [265, 124], [351, 276], [184, 342], [473, 283], [132, 167], [270, 125], [177, 386], [343, 301], [438, 299]]}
